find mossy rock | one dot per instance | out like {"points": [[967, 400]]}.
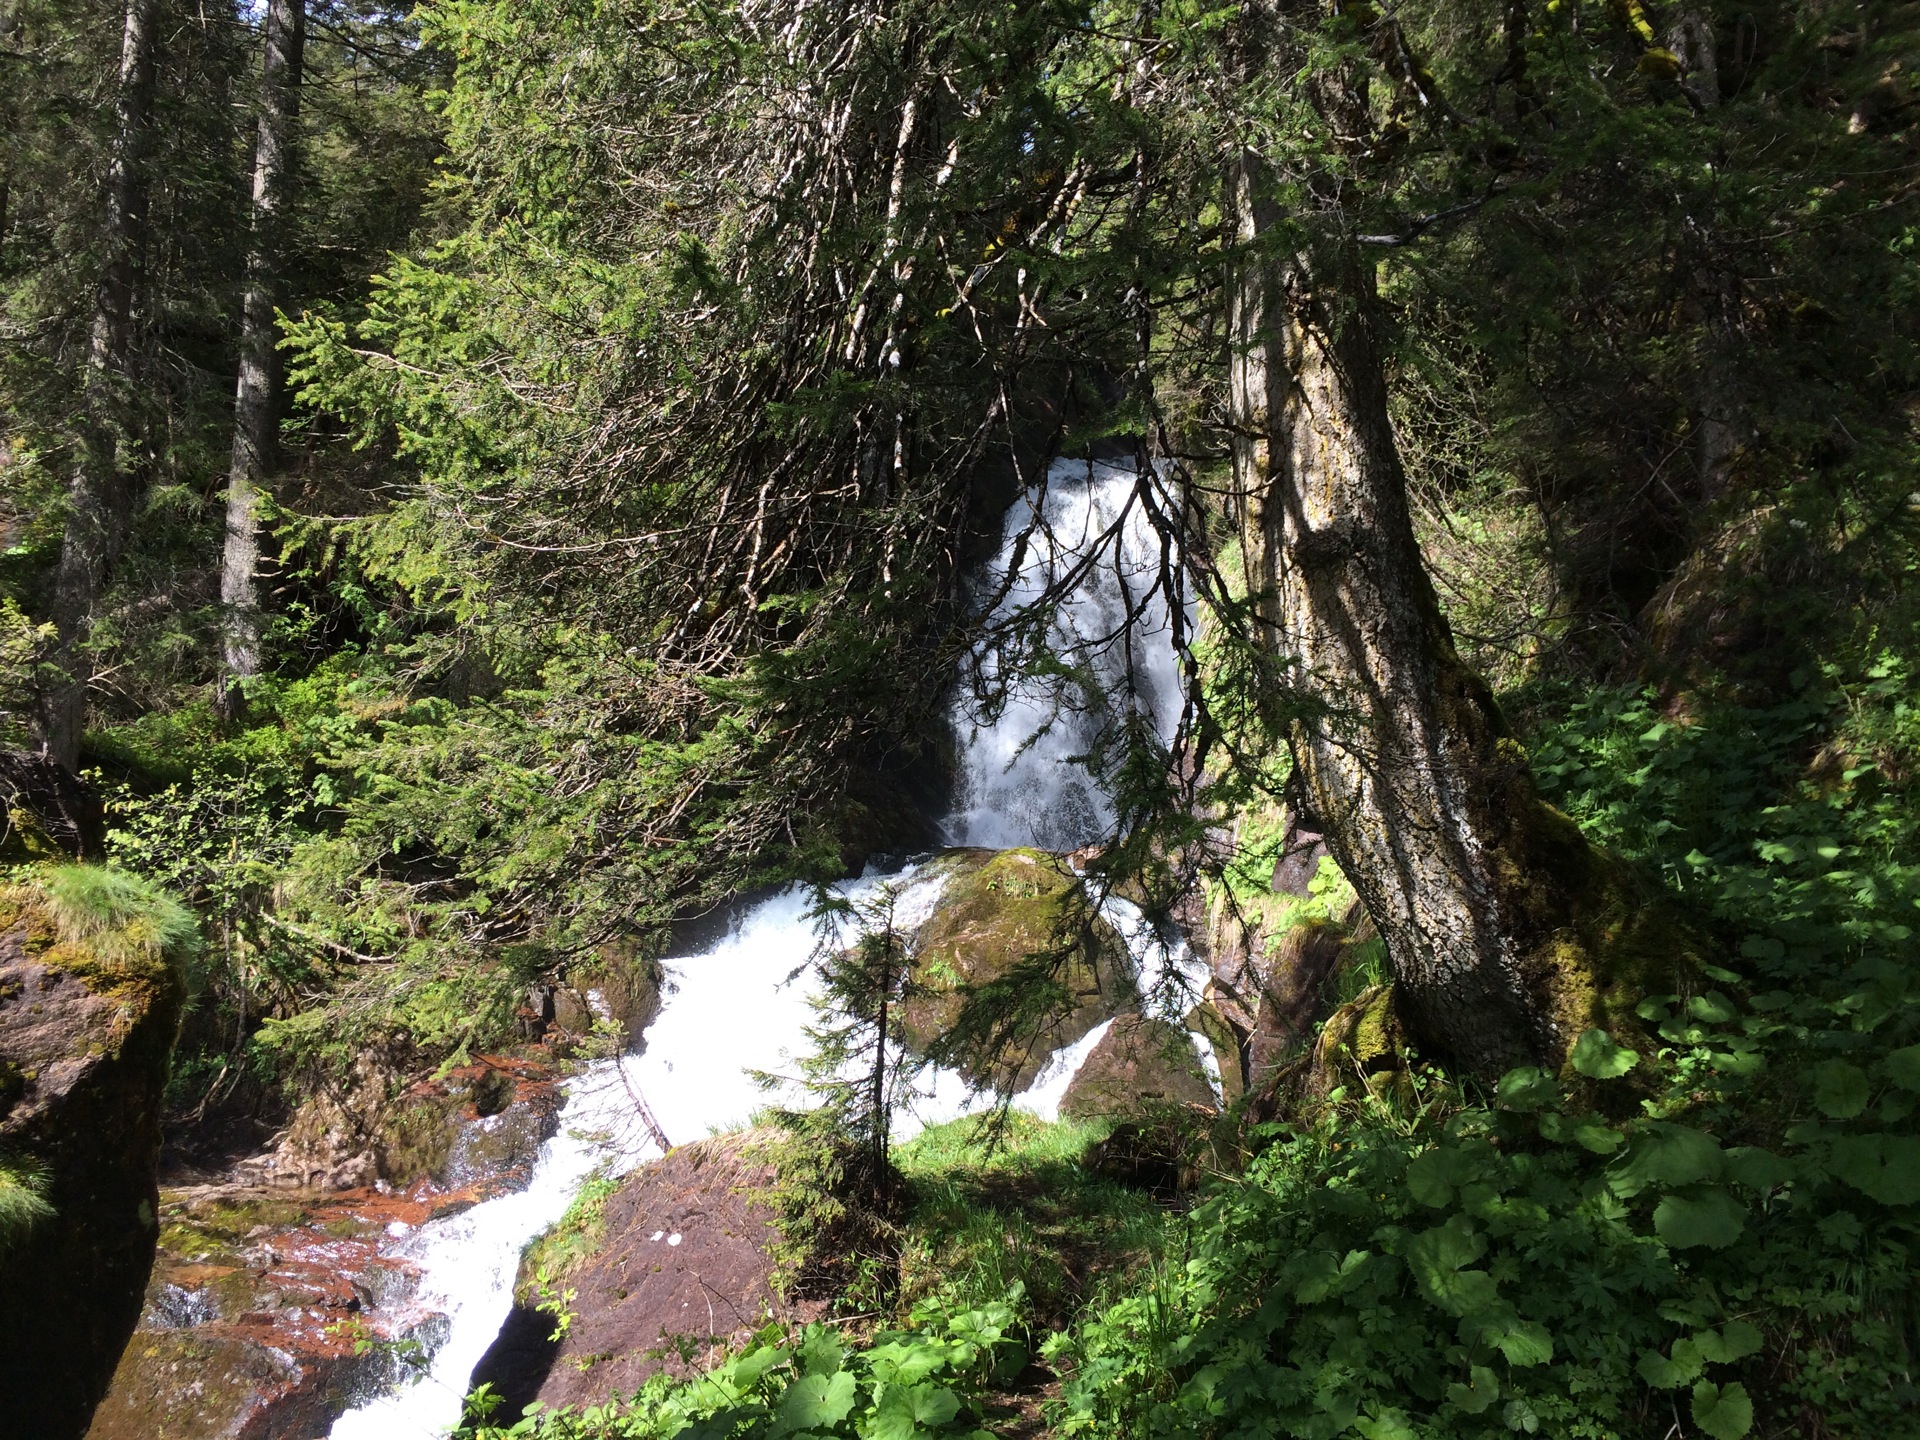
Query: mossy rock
{"points": [[1141, 1066], [1014, 963], [1363, 1041], [91, 990]]}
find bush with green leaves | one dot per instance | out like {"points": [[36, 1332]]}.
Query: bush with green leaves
{"points": [[925, 1382], [1711, 1228], [1534, 1266]]}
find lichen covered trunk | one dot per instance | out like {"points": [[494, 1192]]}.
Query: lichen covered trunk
{"points": [[1498, 917]]}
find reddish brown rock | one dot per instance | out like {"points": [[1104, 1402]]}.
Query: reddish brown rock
{"points": [[270, 1312], [677, 1262]]}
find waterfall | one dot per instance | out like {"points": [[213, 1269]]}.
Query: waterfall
{"points": [[743, 1003], [1021, 780], [467, 1261]]}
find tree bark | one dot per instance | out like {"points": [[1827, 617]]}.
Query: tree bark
{"points": [[257, 391], [99, 496], [1508, 934]]}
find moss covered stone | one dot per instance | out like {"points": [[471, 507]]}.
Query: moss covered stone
{"points": [[1015, 962], [91, 988]]}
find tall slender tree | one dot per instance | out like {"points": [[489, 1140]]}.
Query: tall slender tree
{"points": [[99, 496], [1504, 926], [257, 392]]}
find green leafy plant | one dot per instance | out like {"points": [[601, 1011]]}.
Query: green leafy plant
{"points": [[1714, 1227], [920, 1382]]}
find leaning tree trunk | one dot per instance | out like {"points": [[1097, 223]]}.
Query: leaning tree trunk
{"points": [[257, 393], [99, 496], [1507, 932]]}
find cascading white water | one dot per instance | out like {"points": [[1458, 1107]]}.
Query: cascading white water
{"points": [[743, 1004], [1019, 781], [467, 1261]]}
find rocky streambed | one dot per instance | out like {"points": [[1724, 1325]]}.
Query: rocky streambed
{"points": [[277, 1303]]}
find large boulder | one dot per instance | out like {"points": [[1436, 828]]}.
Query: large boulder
{"points": [[1015, 963], [91, 989], [657, 1271], [1142, 1065]]}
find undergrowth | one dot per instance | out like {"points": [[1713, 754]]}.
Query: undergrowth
{"points": [[1714, 1234], [1732, 1255], [1018, 1209], [929, 1378]]}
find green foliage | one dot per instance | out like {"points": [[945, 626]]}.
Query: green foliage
{"points": [[1017, 1206], [23, 1202], [918, 1383], [1738, 1246]]}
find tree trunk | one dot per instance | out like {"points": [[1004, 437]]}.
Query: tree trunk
{"points": [[1506, 931], [257, 393], [99, 497]]}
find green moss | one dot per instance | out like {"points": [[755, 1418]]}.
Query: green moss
{"points": [[24, 841], [1015, 961], [215, 1232], [417, 1137], [111, 929], [569, 1243]]}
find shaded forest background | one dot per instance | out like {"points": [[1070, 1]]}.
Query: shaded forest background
{"points": [[655, 374]]}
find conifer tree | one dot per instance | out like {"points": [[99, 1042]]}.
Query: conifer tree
{"points": [[257, 391], [100, 495]]}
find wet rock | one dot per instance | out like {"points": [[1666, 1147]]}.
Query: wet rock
{"points": [[1017, 958], [675, 1263], [374, 1127], [90, 996], [270, 1314], [1142, 1064]]}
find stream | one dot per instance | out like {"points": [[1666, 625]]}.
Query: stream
{"points": [[743, 1003]]}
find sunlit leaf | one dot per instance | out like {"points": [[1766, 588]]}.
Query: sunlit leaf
{"points": [[1665, 1155], [1724, 1412], [1757, 1169], [1667, 1372], [1475, 1397], [1596, 1056], [817, 1401], [1526, 1088]]}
